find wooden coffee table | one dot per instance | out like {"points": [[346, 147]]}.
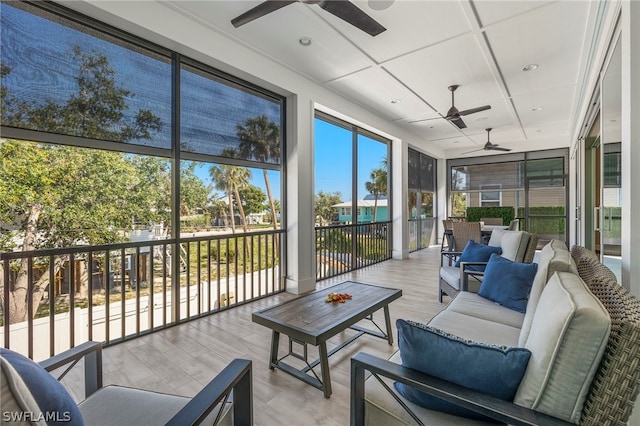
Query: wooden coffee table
{"points": [[310, 320]]}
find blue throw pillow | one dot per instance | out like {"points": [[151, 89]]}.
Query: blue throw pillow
{"points": [[508, 283], [476, 252], [56, 406], [494, 370]]}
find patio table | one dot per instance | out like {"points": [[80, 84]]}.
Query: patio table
{"points": [[309, 319]]}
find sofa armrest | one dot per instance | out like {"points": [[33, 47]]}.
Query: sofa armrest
{"points": [[92, 354], [236, 378], [497, 409]]}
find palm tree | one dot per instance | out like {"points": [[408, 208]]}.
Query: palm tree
{"points": [[220, 176], [377, 186], [239, 177], [230, 178], [260, 140]]}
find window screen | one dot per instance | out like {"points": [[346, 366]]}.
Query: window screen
{"points": [[222, 119], [61, 76]]}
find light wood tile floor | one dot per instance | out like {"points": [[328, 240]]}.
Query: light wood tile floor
{"points": [[182, 359]]}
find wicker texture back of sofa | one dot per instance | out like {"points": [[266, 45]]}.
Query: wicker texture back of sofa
{"points": [[617, 382]]}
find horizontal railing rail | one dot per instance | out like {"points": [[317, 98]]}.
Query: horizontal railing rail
{"points": [[346, 247], [54, 299]]}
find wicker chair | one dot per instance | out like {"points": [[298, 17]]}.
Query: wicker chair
{"points": [[617, 382], [447, 229], [462, 233]]}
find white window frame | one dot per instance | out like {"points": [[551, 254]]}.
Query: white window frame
{"points": [[492, 186]]}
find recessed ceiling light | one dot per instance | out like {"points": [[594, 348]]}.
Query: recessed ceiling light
{"points": [[456, 141], [433, 127], [395, 101], [613, 120], [481, 119], [536, 109], [305, 41], [539, 131], [530, 67], [380, 4]]}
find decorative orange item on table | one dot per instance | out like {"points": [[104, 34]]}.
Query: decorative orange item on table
{"points": [[338, 297]]}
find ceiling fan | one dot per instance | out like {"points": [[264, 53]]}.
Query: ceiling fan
{"points": [[344, 10], [454, 115], [488, 146]]}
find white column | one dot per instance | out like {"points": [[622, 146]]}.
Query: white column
{"points": [[630, 46], [301, 260], [399, 185]]}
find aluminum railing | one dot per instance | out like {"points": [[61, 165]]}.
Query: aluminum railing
{"points": [[344, 248], [111, 293]]}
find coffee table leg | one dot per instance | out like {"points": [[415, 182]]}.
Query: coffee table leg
{"points": [[324, 369], [275, 341], [387, 321]]}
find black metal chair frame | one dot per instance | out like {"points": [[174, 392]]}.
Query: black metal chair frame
{"points": [[234, 382]]}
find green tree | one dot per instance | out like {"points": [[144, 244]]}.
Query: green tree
{"points": [[377, 186], [194, 193], [260, 140], [324, 203], [229, 179], [253, 199], [58, 195]]}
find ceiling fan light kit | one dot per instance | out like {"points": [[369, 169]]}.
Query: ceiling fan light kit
{"points": [[343, 9]]}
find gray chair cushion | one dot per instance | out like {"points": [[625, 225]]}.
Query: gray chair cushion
{"points": [[451, 275], [119, 405]]}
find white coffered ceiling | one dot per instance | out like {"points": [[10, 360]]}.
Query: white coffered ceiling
{"points": [[428, 45]]}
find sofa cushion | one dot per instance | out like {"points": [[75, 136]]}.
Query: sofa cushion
{"points": [[514, 245], [477, 252], [473, 305], [508, 283], [554, 257], [474, 328], [38, 392], [567, 339], [493, 370]]}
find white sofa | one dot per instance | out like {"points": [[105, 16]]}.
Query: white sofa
{"points": [[565, 327]]}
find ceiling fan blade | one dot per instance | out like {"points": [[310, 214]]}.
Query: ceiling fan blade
{"points": [[262, 9], [474, 110], [350, 13], [458, 122], [498, 148]]}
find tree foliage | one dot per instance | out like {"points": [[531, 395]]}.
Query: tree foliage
{"points": [[253, 199], [260, 140], [54, 195], [324, 203]]}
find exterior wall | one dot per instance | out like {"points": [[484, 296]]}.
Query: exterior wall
{"points": [[365, 214]]}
